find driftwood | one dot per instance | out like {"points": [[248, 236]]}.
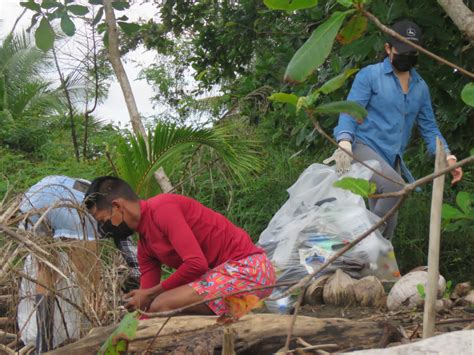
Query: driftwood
{"points": [[254, 334]]}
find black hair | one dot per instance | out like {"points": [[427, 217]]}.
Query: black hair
{"points": [[104, 189]]}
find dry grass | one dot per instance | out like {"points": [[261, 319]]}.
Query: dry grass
{"points": [[85, 277]]}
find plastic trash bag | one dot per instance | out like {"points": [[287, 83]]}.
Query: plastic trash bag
{"points": [[316, 221]]}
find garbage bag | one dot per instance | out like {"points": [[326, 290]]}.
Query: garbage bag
{"points": [[319, 219]]}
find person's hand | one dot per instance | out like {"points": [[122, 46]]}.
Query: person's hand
{"points": [[456, 173], [342, 159], [138, 299]]}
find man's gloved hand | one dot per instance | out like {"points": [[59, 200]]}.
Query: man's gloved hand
{"points": [[343, 160]]}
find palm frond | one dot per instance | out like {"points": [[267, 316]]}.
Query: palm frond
{"points": [[136, 163]]}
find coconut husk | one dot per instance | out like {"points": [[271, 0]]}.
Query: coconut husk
{"points": [[339, 290], [443, 305], [405, 292], [461, 290], [314, 292], [369, 291], [469, 298]]}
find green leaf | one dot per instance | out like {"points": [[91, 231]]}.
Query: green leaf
{"points": [[117, 342], [128, 28], [315, 50], [98, 16], [357, 186], [49, 4], [421, 290], [105, 38], [452, 227], [284, 98], [447, 291], [102, 27], [67, 25], [44, 35], [471, 152], [78, 10], [31, 5], [450, 212], [96, 2], [467, 94], [336, 82], [120, 5], [464, 202], [350, 107], [290, 5], [346, 3], [354, 29]]}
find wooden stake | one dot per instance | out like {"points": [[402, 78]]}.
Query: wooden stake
{"points": [[434, 244]]}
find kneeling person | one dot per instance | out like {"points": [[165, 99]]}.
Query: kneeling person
{"points": [[212, 256]]}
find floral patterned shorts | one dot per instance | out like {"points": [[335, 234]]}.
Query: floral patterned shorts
{"points": [[253, 271]]}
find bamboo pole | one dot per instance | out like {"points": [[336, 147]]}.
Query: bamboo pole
{"points": [[434, 244]]}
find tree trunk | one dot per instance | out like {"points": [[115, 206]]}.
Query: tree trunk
{"points": [[69, 105], [163, 180], [253, 334], [461, 15], [114, 57]]}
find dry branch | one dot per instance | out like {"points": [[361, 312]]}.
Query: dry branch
{"points": [[262, 333]]}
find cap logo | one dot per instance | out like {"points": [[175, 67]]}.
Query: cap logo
{"points": [[411, 32]]}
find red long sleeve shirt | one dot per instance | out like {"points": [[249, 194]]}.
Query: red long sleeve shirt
{"points": [[182, 233]]}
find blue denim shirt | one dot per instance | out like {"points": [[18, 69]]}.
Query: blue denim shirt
{"points": [[391, 114]]}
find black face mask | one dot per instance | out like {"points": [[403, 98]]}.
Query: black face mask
{"points": [[404, 62], [120, 232]]}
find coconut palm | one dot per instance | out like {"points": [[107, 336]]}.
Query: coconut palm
{"points": [[23, 90], [27, 101], [136, 163]]}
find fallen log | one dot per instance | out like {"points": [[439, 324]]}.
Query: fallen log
{"points": [[254, 334]]}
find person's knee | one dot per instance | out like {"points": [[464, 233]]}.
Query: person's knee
{"points": [[160, 306]]}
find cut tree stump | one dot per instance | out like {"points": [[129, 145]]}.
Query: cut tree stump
{"points": [[254, 334]]}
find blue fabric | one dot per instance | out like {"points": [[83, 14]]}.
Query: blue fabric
{"points": [[391, 114]]}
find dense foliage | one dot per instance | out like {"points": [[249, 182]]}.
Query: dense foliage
{"points": [[242, 48]]}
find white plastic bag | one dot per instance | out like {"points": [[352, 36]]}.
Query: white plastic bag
{"points": [[317, 220]]}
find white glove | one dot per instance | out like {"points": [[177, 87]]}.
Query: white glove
{"points": [[343, 160]]}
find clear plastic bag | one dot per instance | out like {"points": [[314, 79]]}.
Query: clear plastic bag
{"points": [[317, 220]]}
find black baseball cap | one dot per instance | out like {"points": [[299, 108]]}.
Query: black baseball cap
{"points": [[410, 31]]}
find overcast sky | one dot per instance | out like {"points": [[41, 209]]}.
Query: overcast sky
{"points": [[114, 108]]}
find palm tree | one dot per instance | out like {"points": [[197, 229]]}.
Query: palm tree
{"points": [[26, 98], [136, 163], [23, 90]]}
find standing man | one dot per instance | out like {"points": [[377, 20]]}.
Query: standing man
{"points": [[396, 98], [212, 256]]}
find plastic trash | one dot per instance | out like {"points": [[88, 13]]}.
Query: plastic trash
{"points": [[319, 219], [49, 194]]}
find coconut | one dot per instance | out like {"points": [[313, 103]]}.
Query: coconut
{"points": [[469, 298], [369, 291], [461, 290], [339, 290], [443, 305], [405, 291], [314, 292]]}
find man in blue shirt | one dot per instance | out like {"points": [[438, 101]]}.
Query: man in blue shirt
{"points": [[395, 97]]}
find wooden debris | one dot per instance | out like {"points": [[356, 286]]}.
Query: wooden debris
{"points": [[262, 333]]}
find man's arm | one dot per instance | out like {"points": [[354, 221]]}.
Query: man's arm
{"points": [[429, 130], [129, 253], [427, 124], [360, 92]]}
